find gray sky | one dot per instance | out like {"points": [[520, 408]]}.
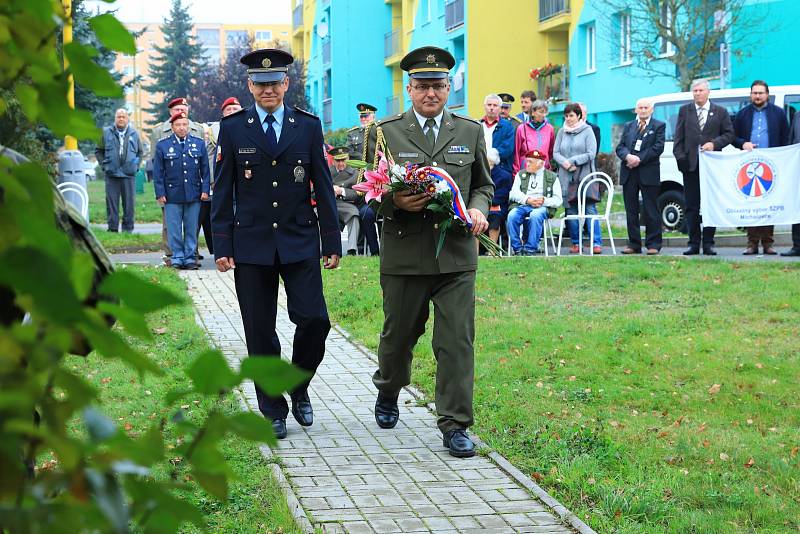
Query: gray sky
{"points": [[202, 11]]}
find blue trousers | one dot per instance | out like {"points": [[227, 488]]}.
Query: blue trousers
{"points": [[534, 227], [572, 224], [368, 227], [182, 222]]}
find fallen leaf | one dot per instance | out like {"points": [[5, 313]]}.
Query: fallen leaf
{"points": [[678, 421], [160, 330], [701, 428], [706, 443], [572, 378], [539, 385], [577, 347], [537, 476], [714, 389], [627, 371], [615, 424], [128, 426], [724, 457], [794, 451], [759, 365], [750, 463], [591, 481], [105, 380], [749, 421]]}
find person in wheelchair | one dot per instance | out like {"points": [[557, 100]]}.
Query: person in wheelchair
{"points": [[535, 196]]}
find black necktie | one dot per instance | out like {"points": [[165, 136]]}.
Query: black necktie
{"points": [[272, 138]]}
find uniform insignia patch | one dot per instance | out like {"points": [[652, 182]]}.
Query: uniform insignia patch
{"points": [[171, 149], [247, 151], [291, 119], [266, 63], [299, 173], [194, 145], [250, 120], [431, 59], [248, 173], [408, 155], [458, 149]]}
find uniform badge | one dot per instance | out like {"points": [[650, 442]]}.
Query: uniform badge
{"points": [[194, 145], [291, 119], [171, 149], [299, 173], [431, 59], [247, 151], [250, 120], [458, 149], [248, 173], [266, 63]]}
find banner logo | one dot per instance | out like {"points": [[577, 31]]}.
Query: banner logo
{"points": [[755, 179]]}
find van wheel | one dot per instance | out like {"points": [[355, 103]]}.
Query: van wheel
{"points": [[672, 207]]}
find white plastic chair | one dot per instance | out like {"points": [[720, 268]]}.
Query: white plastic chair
{"points": [[76, 190], [582, 216]]}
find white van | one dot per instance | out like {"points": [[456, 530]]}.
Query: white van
{"points": [[671, 202]]}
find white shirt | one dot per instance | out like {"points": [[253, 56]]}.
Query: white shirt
{"points": [[535, 190], [488, 131], [705, 107], [437, 118]]}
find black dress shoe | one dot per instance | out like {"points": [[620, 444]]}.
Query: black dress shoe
{"points": [[301, 409], [691, 251], [279, 428], [386, 411], [458, 443], [794, 251], [709, 251]]}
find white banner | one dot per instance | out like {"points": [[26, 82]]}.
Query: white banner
{"points": [[756, 188]]}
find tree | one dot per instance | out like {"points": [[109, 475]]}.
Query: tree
{"points": [[296, 94], [215, 83], [59, 295], [178, 62], [684, 35]]}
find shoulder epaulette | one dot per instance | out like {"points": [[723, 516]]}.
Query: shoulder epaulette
{"points": [[233, 114], [470, 119], [391, 118], [516, 119], [304, 112]]}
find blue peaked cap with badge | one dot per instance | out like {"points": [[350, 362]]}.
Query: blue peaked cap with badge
{"points": [[267, 64]]}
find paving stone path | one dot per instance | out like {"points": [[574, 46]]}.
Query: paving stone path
{"points": [[344, 474]]}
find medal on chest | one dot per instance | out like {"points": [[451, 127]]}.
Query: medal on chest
{"points": [[299, 173]]}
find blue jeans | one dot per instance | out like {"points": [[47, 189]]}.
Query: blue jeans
{"points": [[591, 209], [534, 226], [182, 231]]}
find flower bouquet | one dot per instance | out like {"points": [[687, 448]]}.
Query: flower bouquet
{"points": [[435, 182]]}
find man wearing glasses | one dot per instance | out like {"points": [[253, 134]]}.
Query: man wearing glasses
{"points": [[412, 276], [268, 155]]}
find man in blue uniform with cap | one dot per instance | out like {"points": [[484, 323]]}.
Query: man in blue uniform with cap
{"points": [[268, 156]]}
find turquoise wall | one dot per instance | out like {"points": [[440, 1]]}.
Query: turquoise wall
{"points": [[611, 91]]}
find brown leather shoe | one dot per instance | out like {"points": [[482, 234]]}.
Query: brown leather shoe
{"points": [[770, 251], [750, 251], [629, 250], [653, 252]]}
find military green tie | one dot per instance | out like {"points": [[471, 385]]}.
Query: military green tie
{"points": [[429, 124]]}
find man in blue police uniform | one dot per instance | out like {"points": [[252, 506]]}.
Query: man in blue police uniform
{"points": [[268, 156], [181, 179]]}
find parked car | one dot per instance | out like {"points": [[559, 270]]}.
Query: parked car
{"points": [[671, 202], [89, 168]]}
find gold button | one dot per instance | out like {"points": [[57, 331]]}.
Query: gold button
{"points": [[246, 163], [274, 204], [274, 163], [459, 161], [274, 184], [274, 225], [436, 225]]}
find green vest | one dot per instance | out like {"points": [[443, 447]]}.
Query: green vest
{"points": [[549, 181]]}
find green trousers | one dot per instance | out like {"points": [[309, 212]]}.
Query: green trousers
{"points": [[406, 304]]}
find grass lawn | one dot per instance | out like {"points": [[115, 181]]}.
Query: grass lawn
{"points": [[145, 210], [648, 395], [123, 242], [256, 503]]}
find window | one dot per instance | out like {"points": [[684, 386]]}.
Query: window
{"points": [[264, 35], [589, 33], [624, 38], [668, 111], [666, 48], [209, 39], [236, 38], [791, 104]]}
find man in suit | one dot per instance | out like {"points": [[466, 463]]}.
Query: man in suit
{"points": [[794, 137], [412, 276], [760, 124], [526, 99], [702, 124], [498, 132], [639, 148], [268, 156], [355, 135], [505, 109]]}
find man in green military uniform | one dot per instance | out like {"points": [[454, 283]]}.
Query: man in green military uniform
{"points": [[347, 199], [505, 109], [162, 131], [355, 135], [412, 276]]}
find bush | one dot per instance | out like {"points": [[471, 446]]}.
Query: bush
{"points": [[337, 137]]}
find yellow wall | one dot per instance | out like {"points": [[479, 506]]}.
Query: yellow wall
{"points": [[301, 37], [499, 60]]}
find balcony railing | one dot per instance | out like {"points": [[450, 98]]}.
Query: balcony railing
{"points": [[453, 14], [326, 52], [456, 98], [554, 87], [551, 8], [391, 44], [392, 105], [327, 111], [297, 15]]}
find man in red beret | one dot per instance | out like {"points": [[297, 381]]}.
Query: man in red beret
{"points": [[162, 131], [535, 196]]}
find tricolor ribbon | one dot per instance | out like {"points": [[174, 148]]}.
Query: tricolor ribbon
{"points": [[459, 207]]}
